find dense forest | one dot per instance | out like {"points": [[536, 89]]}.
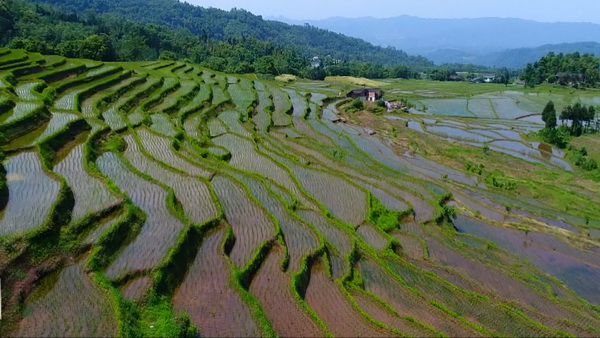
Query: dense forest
{"points": [[58, 30], [575, 69], [211, 23]]}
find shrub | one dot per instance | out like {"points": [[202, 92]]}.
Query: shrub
{"points": [[556, 136], [357, 104], [449, 212], [589, 164], [475, 168], [383, 218]]}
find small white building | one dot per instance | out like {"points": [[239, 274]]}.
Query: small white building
{"points": [[315, 62]]}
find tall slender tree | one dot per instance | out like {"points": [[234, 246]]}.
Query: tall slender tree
{"points": [[549, 115]]}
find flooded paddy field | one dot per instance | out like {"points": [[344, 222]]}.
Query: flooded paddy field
{"points": [[147, 193]]}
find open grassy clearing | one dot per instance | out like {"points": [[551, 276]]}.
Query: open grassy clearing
{"points": [[240, 203]]}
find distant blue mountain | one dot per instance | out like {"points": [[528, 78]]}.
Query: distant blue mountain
{"points": [[518, 58], [482, 40]]}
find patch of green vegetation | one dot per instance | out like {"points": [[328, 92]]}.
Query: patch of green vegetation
{"points": [[475, 168], [157, 319], [355, 105], [383, 218], [498, 179], [581, 159]]}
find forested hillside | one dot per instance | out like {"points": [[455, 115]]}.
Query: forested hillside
{"points": [[573, 69], [223, 26], [520, 57]]}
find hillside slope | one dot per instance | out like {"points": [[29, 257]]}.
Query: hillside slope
{"points": [[223, 25], [166, 199]]}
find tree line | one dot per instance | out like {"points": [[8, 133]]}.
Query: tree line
{"points": [[581, 120], [574, 69]]}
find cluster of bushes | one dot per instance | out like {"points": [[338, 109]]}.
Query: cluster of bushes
{"points": [[581, 159], [383, 218], [573, 69], [559, 137], [502, 183], [475, 168]]}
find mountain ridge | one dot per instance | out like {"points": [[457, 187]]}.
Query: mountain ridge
{"points": [[471, 36]]}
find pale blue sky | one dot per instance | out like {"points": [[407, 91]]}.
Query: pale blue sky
{"points": [[539, 10]]}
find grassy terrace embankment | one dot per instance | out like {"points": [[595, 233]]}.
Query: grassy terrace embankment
{"points": [[163, 199]]}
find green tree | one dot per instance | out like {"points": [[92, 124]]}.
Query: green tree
{"points": [[504, 76], [549, 115], [6, 19], [97, 47]]}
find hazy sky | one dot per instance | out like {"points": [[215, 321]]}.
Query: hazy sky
{"points": [[539, 10]]}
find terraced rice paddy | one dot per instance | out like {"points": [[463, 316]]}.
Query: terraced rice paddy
{"points": [[20, 110], [298, 102], [90, 193], [31, 192], [159, 231], [148, 190], [251, 225], [282, 105], [57, 122], [191, 192], [72, 294], [206, 290], [271, 288]]}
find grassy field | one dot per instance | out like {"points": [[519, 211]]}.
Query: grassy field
{"points": [[223, 205]]}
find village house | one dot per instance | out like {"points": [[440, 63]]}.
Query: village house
{"points": [[315, 62], [366, 94], [488, 78]]}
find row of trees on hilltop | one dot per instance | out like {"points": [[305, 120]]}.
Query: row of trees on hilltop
{"points": [[575, 69]]}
